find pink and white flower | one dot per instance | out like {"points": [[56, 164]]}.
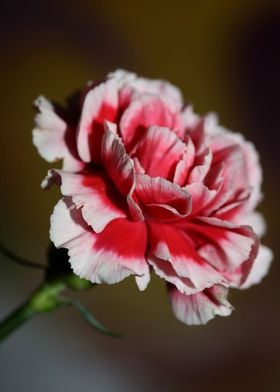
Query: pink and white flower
{"points": [[149, 185]]}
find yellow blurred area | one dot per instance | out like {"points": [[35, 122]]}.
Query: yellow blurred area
{"points": [[212, 50]]}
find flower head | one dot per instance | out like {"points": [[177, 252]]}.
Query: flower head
{"points": [[149, 184]]}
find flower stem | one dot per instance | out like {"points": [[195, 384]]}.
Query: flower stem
{"points": [[44, 299], [14, 320]]}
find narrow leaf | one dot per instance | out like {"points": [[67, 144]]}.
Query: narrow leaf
{"points": [[89, 317]]}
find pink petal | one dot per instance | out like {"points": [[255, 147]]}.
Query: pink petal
{"points": [[161, 198], [93, 194], [253, 219], [202, 197], [173, 256], [232, 157], [228, 248], [53, 138], [254, 174], [118, 164], [191, 120], [137, 165], [128, 80], [223, 138], [196, 131], [236, 213], [101, 103], [120, 168], [106, 257], [241, 162], [260, 267], [185, 163], [199, 308], [234, 176], [201, 167], [169, 93], [164, 269], [143, 112], [122, 77], [159, 152], [233, 211]]}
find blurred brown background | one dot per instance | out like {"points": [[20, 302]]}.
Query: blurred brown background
{"points": [[225, 56]]}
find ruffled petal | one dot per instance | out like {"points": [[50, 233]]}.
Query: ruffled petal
{"points": [[53, 138], [233, 211], [185, 163], [161, 198], [196, 131], [201, 167], [260, 267], [94, 194], [122, 77], [143, 281], [201, 196], [242, 170], [164, 269], [174, 258], [107, 257], [223, 138], [118, 164], [168, 92], [198, 309], [229, 248], [101, 104], [129, 80], [142, 113], [254, 175], [159, 152], [120, 168], [190, 118], [253, 219]]}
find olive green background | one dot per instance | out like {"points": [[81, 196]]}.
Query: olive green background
{"points": [[225, 56]]}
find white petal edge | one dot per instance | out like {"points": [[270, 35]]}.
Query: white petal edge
{"points": [[68, 230], [198, 309], [49, 136], [260, 267]]}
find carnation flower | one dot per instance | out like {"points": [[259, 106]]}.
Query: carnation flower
{"points": [[147, 184]]}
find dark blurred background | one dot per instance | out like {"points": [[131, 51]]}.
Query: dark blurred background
{"points": [[225, 56]]}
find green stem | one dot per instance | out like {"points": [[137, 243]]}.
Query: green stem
{"points": [[15, 320], [44, 299]]}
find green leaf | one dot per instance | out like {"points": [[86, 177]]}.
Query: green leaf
{"points": [[89, 317]]}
